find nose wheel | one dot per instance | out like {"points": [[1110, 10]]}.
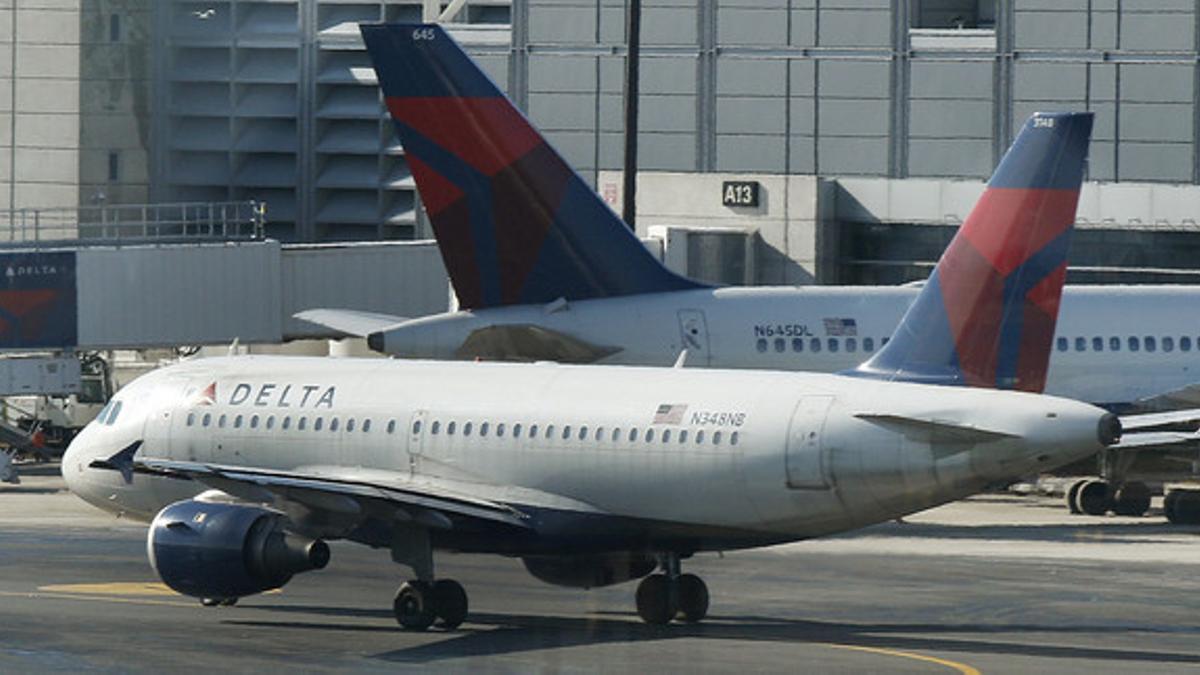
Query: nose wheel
{"points": [[669, 595]]}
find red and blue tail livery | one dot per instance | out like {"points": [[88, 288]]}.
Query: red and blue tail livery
{"points": [[986, 316], [514, 222]]}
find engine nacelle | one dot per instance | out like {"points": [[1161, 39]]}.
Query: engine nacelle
{"points": [[212, 550], [589, 571]]}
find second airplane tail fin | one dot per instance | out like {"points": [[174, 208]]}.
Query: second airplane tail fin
{"points": [[986, 316], [514, 222]]}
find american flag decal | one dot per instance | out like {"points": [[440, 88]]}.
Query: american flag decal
{"points": [[841, 327], [670, 413]]}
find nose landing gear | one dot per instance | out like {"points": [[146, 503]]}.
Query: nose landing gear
{"points": [[670, 595]]}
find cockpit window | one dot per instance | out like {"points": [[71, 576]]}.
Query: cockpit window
{"points": [[103, 414], [112, 415]]}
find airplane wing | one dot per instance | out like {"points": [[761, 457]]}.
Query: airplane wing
{"points": [[1184, 397], [934, 429], [527, 342], [349, 321], [1152, 420], [354, 491], [1157, 440]]}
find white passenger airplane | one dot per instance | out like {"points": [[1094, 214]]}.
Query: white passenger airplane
{"points": [[543, 270], [590, 474]]}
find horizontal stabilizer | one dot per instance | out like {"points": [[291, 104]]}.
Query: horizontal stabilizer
{"points": [[1155, 440], [527, 342], [935, 430], [349, 321], [1153, 420]]}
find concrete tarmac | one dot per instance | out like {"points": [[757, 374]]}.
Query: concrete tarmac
{"points": [[992, 584]]}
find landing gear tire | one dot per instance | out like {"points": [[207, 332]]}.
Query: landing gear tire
{"points": [[449, 603], [693, 598], [1132, 499], [1182, 507], [413, 606], [1092, 498], [1073, 496], [218, 602], [656, 604]]}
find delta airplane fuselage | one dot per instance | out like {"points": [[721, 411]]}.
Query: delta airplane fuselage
{"points": [[596, 458], [1115, 345]]}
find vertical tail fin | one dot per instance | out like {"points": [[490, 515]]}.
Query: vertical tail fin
{"points": [[986, 316], [515, 224]]}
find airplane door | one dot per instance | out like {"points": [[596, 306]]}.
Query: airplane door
{"points": [[807, 457], [693, 332], [416, 436]]}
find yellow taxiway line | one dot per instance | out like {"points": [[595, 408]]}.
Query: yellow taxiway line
{"points": [[953, 665]]}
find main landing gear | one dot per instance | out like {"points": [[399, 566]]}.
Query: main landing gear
{"points": [[421, 602], [1182, 507], [670, 595], [1097, 497]]}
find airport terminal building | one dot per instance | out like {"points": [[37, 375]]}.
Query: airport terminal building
{"points": [[854, 122]]}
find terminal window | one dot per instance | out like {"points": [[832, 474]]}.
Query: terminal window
{"points": [[953, 14]]}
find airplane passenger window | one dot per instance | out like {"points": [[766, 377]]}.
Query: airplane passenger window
{"points": [[1097, 344], [333, 424], [616, 434], [450, 426], [851, 345], [1061, 344], [500, 430], [1133, 344], [599, 434], [833, 344], [221, 421], [649, 435], [466, 428], [207, 419], [700, 437], [666, 436], [633, 434], [318, 423], [1114, 344], [549, 431], [286, 423], [566, 432], [583, 433], [1168, 344], [733, 438], [868, 344], [517, 430], [1185, 344], [391, 427], [191, 419], [797, 344], [533, 431], [237, 422], [716, 438], [434, 428], [761, 345], [814, 345], [483, 429], [254, 421], [1149, 343], [301, 423], [350, 424], [682, 436], [366, 427], [1080, 344], [270, 421], [780, 345]]}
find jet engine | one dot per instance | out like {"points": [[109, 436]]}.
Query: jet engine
{"points": [[209, 550], [589, 571]]}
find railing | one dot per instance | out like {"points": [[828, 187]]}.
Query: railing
{"points": [[131, 223]]}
